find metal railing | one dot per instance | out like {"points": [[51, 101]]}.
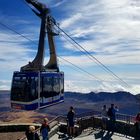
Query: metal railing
{"points": [[124, 123], [119, 116], [124, 117], [38, 130], [97, 114]]}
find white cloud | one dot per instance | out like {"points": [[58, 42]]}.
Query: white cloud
{"points": [[70, 21], [111, 28], [135, 89], [110, 87], [5, 84], [78, 86], [107, 29], [72, 86], [13, 51], [53, 3]]}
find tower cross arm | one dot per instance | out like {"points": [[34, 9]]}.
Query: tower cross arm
{"points": [[39, 6]]}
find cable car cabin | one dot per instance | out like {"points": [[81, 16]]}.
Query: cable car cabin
{"points": [[32, 90]]}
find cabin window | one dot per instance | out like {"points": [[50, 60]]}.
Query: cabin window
{"points": [[56, 84], [24, 89]]}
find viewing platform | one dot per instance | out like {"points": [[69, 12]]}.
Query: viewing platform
{"points": [[87, 127]]}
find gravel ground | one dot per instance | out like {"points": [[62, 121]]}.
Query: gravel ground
{"points": [[11, 135]]}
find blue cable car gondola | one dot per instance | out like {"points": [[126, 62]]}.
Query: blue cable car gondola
{"points": [[26, 93], [37, 86]]}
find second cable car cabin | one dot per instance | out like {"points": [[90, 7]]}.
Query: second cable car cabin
{"points": [[35, 85], [32, 90]]}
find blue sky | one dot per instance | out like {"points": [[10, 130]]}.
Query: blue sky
{"points": [[108, 29]]}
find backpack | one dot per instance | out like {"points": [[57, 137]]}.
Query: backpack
{"points": [[109, 112]]}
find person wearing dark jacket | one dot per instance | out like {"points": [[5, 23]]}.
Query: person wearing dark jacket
{"points": [[70, 121], [137, 124], [112, 115]]}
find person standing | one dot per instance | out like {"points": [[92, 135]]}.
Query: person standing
{"points": [[112, 112], [44, 130], [104, 117], [112, 115], [137, 124], [70, 121], [31, 134]]}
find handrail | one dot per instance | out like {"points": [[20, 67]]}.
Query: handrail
{"points": [[37, 130], [91, 113], [126, 118], [119, 117]]}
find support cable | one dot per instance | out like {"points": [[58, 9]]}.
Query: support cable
{"points": [[93, 57], [65, 59]]}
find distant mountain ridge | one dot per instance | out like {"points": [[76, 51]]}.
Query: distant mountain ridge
{"points": [[119, 96], [4, 91], [98, 97], [103, 96], [127, 102]]}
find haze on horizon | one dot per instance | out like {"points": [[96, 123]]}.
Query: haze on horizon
{"points": [[108, 30]]}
